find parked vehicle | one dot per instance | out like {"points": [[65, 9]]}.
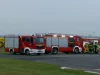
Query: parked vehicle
{"points": [[2, 42], [86, 43], [55, 43], [24, 44], [87, 40]]}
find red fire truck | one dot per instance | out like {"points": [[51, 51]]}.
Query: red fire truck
{"points": [[24, 44], [55, 43], [87, 40]]}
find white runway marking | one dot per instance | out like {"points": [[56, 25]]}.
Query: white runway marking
{"points": [[92, 72], [66, 68], [83, 70]]}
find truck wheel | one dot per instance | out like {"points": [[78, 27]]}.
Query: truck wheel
{"points": [[76, 50], [11, 52], [27, 52], [54, 51]]}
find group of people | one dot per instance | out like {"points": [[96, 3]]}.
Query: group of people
{"points": [[92, 47]]}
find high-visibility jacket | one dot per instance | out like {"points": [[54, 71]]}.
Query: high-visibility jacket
{"points": [[91, 46], [98, 48], [86, 47]]}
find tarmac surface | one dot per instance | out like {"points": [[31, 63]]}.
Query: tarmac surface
{"points": [[88, 62]]}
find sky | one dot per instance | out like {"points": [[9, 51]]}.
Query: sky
{"points": [[50, 16]]}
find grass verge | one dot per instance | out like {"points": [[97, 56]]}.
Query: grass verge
{"points": [[20, 67], [2, 51]]}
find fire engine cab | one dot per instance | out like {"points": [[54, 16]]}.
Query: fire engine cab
{"points": [[24, 44], [55, 43]]}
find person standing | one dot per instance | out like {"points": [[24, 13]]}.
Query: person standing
{"points": [[86, 48], [95, 47], [98, 48], [91, 47]]}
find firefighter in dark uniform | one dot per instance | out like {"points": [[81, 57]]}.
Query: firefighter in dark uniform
{"points": [[91, 47], [95, 48]]}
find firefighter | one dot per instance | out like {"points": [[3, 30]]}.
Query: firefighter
{"points": [[86, 47], [91, 47], [98, 48], [95, 47]]}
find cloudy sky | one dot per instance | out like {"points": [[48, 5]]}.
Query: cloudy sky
{"points": [[59, 16]]}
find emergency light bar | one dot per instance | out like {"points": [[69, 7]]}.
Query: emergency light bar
{"points": [[55, 35], [71, 36], [63, 36]]}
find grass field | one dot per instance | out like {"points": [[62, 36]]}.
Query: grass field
{"points": [[20, 67], [2, 51]]}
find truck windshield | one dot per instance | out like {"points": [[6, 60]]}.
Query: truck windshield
{"points": [[71, 40], [39, 40]]}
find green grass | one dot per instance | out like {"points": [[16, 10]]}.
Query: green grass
{"points": [[2, 50], [20, 67]]}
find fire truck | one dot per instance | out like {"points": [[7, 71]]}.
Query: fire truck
{"points": [[87, 40], [24, 44], [55, 43]]}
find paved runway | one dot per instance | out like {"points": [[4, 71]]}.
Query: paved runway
{"points": [[90, 62]]}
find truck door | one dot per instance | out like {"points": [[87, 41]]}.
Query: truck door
{"points": [[71, 42], [80, 42], [27, 41]]}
